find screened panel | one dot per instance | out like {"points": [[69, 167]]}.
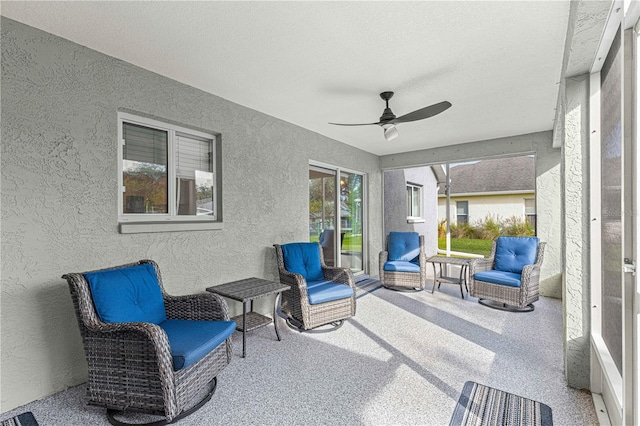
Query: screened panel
{"points": [[611, 199], [144, 170]]}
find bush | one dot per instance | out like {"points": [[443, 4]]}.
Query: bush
{"points": [[488, 228]]}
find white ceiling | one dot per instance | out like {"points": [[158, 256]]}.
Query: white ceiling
{"points": [[310, 63]]}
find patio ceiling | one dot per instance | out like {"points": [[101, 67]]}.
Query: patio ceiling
{"points": [[310, 63]]}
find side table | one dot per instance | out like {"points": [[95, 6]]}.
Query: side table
{"points": [[247, 290], [441, 278]]}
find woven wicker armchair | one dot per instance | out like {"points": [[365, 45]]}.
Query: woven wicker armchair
{"points": [[509, 278], [403, 263], [131, 365], [319, 295]]}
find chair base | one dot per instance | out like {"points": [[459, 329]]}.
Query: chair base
{"points": [[111, 413], [297, 325], [403, 289], [505, 307]]}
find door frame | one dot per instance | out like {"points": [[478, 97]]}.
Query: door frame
{"points": [[365, 217]]}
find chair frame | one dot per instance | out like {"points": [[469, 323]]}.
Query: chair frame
{"points": [[403, 280], [137, 374], [301, 314], [503, 297]]}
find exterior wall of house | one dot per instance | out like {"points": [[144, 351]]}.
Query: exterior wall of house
{"points": [[395, 204], [59, 195], [502, 206]]}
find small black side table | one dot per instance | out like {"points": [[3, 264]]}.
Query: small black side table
{"points": [[247, 290]]}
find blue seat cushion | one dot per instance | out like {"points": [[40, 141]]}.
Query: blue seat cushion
{"points": [[403, 246], [510, 279], [514, 253], [401, 266], [190, 340], [129, 294], [303, 259], [326, 291]]}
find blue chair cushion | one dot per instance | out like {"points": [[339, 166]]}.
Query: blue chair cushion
{"points": [[327, 291], [401, 266], [303, 259], [129, 294], [190, 340], [510, 279], [514, 253], [403, 246]]}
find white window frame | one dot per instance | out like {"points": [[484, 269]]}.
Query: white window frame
{"points": [[413, 186], [140, 222], [467, 211]]}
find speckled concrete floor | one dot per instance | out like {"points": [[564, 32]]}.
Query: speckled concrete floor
{"points": [[403, 360]]}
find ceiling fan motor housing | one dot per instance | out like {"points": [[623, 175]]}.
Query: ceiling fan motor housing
{"points": [[387, 115]]}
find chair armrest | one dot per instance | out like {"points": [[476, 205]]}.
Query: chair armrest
{"points": [[382, 259], [480, 265], [294, 280], [198, 307], [530, 276], [128, 344], [340, 276]]}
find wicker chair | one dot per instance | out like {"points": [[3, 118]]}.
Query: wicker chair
{"points": [[319, 295], [509, 278], [403, 263], [131, 364]]}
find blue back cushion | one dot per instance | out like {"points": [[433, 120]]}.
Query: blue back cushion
{"points": [[303, 259], [403, 246], [129, 294], [513, 253]]}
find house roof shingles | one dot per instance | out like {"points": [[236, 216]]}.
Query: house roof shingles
{"points": [[493, 175]]}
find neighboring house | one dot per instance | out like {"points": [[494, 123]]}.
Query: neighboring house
{"points": [[410, 202], [497, 187]]}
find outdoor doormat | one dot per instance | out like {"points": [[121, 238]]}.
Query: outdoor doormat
{"points": [[481, 405], [24, 419]]}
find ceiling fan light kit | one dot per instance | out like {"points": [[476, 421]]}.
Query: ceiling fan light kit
{"points": [[390, 131], [388, 120]]}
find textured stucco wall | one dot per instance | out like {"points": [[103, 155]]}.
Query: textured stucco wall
{"points": [[59, 189], [548, 190], [576, 280], [395, 204]]}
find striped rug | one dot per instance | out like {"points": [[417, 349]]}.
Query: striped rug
{"points": [[484, 406], [24, 419]]}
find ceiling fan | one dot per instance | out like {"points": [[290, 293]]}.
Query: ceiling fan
{"points": [[388, 120]]}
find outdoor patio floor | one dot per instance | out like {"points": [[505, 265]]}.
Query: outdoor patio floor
{"points": [[402, 360]]}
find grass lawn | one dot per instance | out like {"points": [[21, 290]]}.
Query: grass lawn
{"points": [[482, 247], [350, 242]]}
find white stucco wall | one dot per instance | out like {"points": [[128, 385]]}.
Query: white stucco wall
{"points": [[501, 206], [59, 189], [395, 204]]}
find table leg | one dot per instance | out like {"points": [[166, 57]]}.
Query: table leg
{"points": [[244, 329], [461, 277], [275, 315], [434, 277]]}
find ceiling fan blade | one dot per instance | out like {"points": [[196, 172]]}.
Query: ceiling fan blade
{"points": [[423, 113], [363, 124]]}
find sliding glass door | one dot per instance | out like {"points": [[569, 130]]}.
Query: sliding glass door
{"points": [[336, 215]]}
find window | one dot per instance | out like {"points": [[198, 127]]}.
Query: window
{"points": [[167, 173], [414, 200], [462, 211], [530, 211]]}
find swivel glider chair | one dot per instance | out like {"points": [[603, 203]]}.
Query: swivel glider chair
{"points": [[319, 295], [403, 265], [509, 278], [148, 351]]}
